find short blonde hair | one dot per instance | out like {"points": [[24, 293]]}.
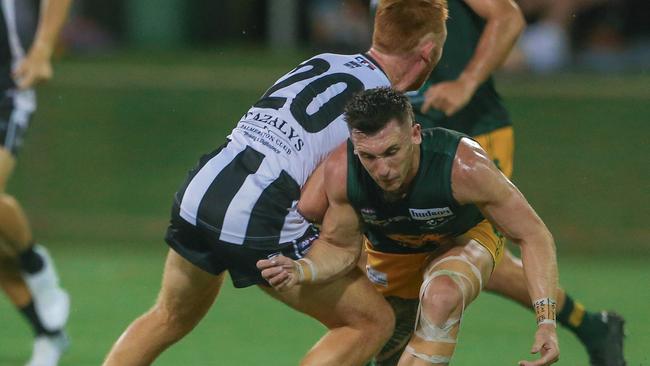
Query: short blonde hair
{"points": [[401, 24]]}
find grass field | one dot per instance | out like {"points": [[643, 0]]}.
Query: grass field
{"points": [[114, 137]]}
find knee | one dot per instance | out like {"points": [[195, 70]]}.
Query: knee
{"points": [[378, 324], [385, 324], [442, 298], [7, 201], [172, 321]]}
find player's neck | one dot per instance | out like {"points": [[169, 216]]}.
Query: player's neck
{"points": [[396, 68]]}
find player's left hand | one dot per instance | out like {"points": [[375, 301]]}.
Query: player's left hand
{"points": [[448, 97], [34, 68], [546, 344], [280, 272]]}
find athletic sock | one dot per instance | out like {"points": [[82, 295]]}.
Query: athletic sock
{"points": [[589, 327], [29, 312], [30, 261]]}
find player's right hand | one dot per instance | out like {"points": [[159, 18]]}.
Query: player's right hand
{"points": [[34, 68], [280, 272], [448, 96], [546, 344]]}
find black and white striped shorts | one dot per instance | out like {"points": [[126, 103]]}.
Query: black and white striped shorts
{"points": [[16, 108], [202, 247]]}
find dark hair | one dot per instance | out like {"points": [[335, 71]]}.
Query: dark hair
{"points": [[369, 111]]}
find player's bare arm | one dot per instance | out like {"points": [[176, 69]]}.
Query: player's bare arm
{"points": [[36, 66], [476, 180], [338, 247], [313, 198], [504, 24]]}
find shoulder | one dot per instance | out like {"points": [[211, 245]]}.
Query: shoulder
{"points": [[474, 177]]}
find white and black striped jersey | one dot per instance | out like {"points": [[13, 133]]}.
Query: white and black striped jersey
{"points": [[18, 22], [247, 191]]}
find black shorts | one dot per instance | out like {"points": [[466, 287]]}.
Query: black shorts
{"points": [[202, 248]]}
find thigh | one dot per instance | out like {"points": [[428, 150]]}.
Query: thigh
{"points": [[7, 163], [347, 300], [187, 291]]}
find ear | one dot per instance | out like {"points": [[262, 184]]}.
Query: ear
{"points": [[426, 51], [416, 133]]}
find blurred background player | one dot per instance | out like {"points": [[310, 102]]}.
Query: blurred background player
{"points": [[460, 95], [27, 272]]}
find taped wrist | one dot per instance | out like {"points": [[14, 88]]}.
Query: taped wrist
{"points": [[545, 311], [306, 270]]}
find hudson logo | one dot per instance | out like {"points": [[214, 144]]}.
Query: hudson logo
{"points": [[425, 214]]}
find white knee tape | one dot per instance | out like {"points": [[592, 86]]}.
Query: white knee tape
{"points": [[431, 359], [471, 265], [430, 332]]}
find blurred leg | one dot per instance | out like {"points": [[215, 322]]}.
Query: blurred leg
{"points": [[358, 319], [600, 332], [186, 295], [11, 281], [37, 268], [49, 344], [508, 280], [14, 227]]}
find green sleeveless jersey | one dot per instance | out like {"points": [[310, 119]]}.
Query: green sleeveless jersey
{"points": [[427, 215], [485, 112]]}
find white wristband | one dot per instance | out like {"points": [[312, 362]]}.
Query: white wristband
{"points": [[545, 311], [306, 270]]}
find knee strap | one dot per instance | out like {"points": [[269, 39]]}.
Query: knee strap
{"points": [[433, 343]]}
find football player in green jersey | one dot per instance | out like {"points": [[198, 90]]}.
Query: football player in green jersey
{"points": [[460, 94], [424, 195]]}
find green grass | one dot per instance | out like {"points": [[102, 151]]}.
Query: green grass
{"points": [[114, 138], [112, 282]]}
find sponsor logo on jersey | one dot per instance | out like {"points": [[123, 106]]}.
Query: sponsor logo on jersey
{"points": [[278, 127], [369, 216], [380, 278], [426, 214], [368, 211], [365, 63], [352, 64]]}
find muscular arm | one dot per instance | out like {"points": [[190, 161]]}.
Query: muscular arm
{"points": [[504, 24], [338, 247], [313, 198], [36, 66], [476, 180]]}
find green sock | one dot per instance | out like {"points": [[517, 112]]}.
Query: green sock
{"points": [[587, 326]]}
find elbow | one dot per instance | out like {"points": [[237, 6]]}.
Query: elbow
{"points": [[519, 23], [517, 20], [513, 19]]}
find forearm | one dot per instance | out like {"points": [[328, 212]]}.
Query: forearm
{"points": [[540, 265], [495, 43], [53, 16], [325, 262]]}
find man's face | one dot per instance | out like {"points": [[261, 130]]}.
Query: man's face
{"points": [[389, 155]]}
